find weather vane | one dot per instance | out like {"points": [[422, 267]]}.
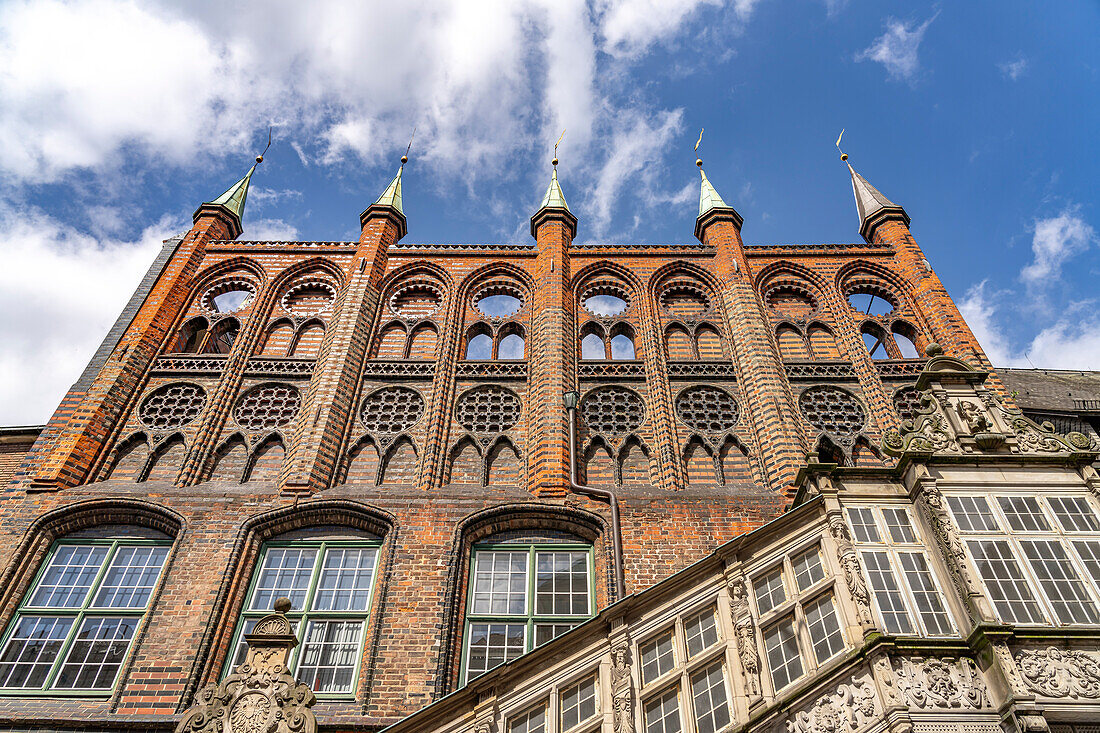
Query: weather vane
{"points": [[843, 155], [405, 157], [698, 160], [260, 157], [554, 162]]}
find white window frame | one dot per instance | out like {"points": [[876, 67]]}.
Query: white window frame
{"points": [[894, 550], [794, 604], [1013, 538]]}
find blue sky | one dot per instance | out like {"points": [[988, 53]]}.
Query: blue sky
{"points": [[117, 118]]}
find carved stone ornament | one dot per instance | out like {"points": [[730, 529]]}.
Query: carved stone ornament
{"points": [[942, 683], [887, 681], [932, 505], [849, 708], [927, 432], [745, 631], [1008, 667], [853, 572], [260, 696], [1057, 672], [622, 696]]}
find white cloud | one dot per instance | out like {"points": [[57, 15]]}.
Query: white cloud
{"points": [[629, 27], [1056, 239], [1072, 342], [896, 49], [269, 230], [53, 322], [1013, 69]]}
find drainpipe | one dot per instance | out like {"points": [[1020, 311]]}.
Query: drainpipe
{"points": [[570, 400]]}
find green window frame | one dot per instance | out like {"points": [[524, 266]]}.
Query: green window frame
{"points": [[76, 625], [499, 626], [331, 585]]}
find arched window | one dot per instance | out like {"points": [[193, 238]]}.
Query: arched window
{"points": [[391, 344], [622, 347], [708, 343], [75, 625], [480, 347], [423, 341], [592, 347], [822, 343], [279, 336], [870, 302], [906, 343], [511, 347], [329, 582], [309, 340], [222, 337], [791, 344], [522, 596], [191, 336], [875, 341], [678, 344]]}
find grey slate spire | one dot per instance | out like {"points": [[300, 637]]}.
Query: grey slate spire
{"points": [[872, 206]]}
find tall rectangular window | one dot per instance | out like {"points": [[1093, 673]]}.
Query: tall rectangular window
{"points": [[781, 646], [905, 590], [522, 596], [708, 697], [1034, 555], [330, 585], [74, 628]]}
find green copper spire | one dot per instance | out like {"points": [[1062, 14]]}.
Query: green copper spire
{"points": [[392, 195], [554, 198], [233, 199], [708, 197]]}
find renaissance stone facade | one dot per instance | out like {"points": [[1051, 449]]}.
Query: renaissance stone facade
{"points": [[551, 487]]}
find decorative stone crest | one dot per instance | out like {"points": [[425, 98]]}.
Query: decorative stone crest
{"points": [[621, 693], [260, 696], [848, 709], [745, 631], [1057, 672], [853, 571], [942, 683]]}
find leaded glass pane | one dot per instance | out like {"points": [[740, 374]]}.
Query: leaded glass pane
{"points": [[927, 595], [1074, 513], [1060, 582], [500, 583], [708, 696], [69, 576], [130, 577], [1024, 513], [493, 644], [863, 525], [807, 568], [769, 590], [285, 573], [1009, 591], [561, 583], [96, 654], [888, 595], [658, 657], [1090, 555], [662, 714], [700, 632], [972, 514], [31, 650], [548, 632], [345, 580], [531, 722], [898, 525]]}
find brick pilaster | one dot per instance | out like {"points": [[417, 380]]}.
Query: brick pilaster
{"points": [[670, 469], [327, 406]]}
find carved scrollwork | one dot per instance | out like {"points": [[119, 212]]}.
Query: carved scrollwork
{"points": [[942, 683], [848, 709], [1057, 672], [932, 505], [927, 432]]}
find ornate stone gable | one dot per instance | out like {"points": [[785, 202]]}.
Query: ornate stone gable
{"points": [[259, 696]]}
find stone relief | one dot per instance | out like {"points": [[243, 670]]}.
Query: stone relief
{"points": [[848, 709], [942, 683], [260, 696], [1057, 672], [853, 572], [973, 417], [927, 432], [621, 693], [932, 504], [887, 681], [745, 630]]}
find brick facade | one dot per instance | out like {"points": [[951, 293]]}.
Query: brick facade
{"points": [[221, 427]]}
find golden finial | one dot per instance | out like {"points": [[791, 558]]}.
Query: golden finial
{"points": [[843, 155], [699, 161], [405, 157], [554, 162], [260, 157]]}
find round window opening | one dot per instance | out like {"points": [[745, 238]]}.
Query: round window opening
{"points": [[499, 305], [832, 410], [489, 409], [391, 410], [605, 304], [415, 301], [267, 406], [707, 409], [229, 296], [172, 406], [870, 302], [612, 410]]}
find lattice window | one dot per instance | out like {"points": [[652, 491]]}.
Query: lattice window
{"points": [[612, 410], [172, 406], [907, 402], [391, 410], [489, 409], [832, 410], [267, 406], [707, 409]]}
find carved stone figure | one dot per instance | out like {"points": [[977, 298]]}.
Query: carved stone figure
{"points": [[932, 504], [853, 572], [942, 683], [621, 693], [745, 631], [848, 709], [1057, 672], [260, 696], [976, 420]]}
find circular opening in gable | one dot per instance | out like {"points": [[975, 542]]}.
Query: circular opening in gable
{"points": [[228, 296], [499, 305]]}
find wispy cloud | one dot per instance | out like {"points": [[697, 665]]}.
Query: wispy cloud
{"points": [[1056, 239], [1013, 69], [896, 49]]}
